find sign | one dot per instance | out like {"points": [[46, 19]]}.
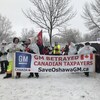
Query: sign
{"points": [[22, 61], [52, 63]]}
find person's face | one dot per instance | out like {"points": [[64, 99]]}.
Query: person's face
{"points": [[25, 45], [28, 41], [16, 41]]}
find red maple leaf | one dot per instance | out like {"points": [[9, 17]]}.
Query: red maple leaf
{"points": [[86, 56]]}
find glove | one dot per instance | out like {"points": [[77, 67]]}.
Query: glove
{"points": [[27, 49], [9, 50]]}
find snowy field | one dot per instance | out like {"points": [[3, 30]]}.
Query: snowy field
{"points": [[51, 86]]}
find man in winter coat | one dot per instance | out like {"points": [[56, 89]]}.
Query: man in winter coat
{"points": [[32, 48], [3, 55], [11, 49], [87, 49]]}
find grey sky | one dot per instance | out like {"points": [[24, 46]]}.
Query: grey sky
{"points": [[12, 10]]}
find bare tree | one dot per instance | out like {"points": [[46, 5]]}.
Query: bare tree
{"points": [[90, 37], [71, 35], [50, 14], [25, 34], [87, 37], [5, 28], [92, 16]]}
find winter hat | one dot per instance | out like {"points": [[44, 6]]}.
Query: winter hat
{"points": [[4, 42], [87, 43]]}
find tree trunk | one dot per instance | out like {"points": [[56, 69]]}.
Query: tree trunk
{"points": [[50, 36]]}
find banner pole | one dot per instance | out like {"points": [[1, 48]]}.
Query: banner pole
{"points": [[13, 67]]}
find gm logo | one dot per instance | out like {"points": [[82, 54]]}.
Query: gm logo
{"points": [[22, 60]]}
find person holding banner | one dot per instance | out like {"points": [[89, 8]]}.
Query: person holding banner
{"points": [[72, 49], [32, 47], [11, 49], [87, 49]]}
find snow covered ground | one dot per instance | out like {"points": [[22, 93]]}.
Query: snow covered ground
{"points": [[51, 86]]}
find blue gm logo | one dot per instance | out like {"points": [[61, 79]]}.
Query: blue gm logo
{"points": [[23, 60]]}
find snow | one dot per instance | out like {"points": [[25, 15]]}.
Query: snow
{"points": [[51, 86]]}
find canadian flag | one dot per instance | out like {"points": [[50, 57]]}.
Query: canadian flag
{"points": [[88, 56]]}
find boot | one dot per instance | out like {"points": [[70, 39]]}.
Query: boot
{"points": [[37, 75], [87, 74], [18, 74], [8, 76], [31, 75], [2, 72]]}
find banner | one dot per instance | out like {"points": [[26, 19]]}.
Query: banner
{"points": [[52, 63]]}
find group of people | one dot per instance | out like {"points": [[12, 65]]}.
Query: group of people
{"points": [[73, 49], [7, 51]]}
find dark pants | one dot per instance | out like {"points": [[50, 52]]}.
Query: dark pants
{"points": [[18, 74], [4, 65]]}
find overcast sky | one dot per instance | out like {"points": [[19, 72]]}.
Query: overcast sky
{"points": [[12, 10]]}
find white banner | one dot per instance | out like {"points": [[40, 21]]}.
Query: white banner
{"points": [[52, 63]]}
